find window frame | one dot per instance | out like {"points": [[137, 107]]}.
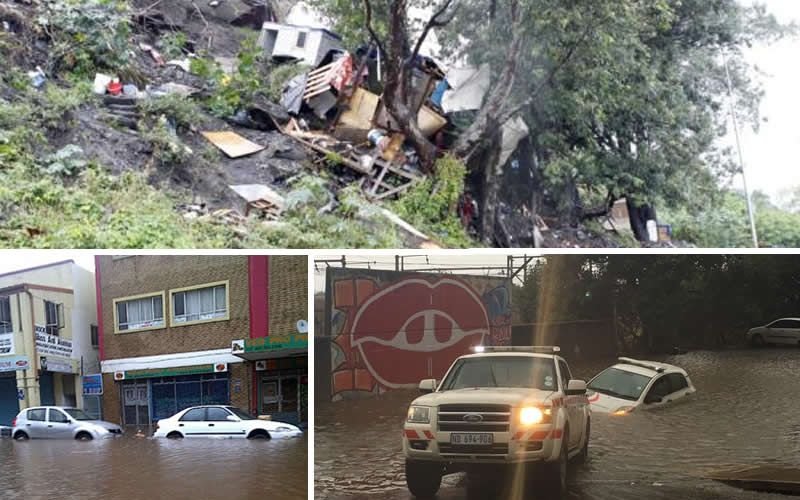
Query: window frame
{"points": [[30, 410], [214, 284], [58, 309], [138, 297], [56, 411], [225, 410], [6, 300], [202, 410], [302, 39]]}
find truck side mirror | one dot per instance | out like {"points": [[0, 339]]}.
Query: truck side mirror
{"points": [[576, 388], [427, 385]]}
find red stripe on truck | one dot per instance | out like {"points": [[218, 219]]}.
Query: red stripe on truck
{"points": [[411, 434]]}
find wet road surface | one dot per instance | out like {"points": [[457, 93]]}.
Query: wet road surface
{"points": [[146, 468], [746, 410]]}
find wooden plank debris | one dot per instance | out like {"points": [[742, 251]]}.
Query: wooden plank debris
{"points": [[232, 144], [261, 198]]}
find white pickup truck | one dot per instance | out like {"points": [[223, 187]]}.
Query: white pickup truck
{"points": [[497, 407]]}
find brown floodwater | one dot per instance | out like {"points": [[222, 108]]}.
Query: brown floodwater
{"points": [[746, 411], [146, 468]]}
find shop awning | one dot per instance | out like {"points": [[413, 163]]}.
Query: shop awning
{"points": [[273, 346]]}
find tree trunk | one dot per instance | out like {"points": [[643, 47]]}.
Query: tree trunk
{"points": [[639, 215], [492, 176]]}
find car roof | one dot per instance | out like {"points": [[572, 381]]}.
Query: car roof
{"points": [[781, 319], [51, 406], [509, 354], [649, 372]]}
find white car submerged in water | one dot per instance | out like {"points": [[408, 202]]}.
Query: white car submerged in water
{"points": [[222, 422], [633, 384]]}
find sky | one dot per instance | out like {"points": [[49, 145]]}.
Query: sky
{"points": [[772, 162], [415, 262], [15, 260]]}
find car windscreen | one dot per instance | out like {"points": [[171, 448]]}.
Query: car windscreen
{"points": [[499, 371], [240, 413], [77, 414], [620, 383]]}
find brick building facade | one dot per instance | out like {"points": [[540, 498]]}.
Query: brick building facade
{"points": [[169, 326]]}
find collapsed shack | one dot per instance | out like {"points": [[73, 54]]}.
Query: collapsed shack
{"points": [[332, 116]]}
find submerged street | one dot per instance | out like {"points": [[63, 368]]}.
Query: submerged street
{"points": [[131, 467], [744, 412]]}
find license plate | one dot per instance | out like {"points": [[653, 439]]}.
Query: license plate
{"points": [[472, 438]]}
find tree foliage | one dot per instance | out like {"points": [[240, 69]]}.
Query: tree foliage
{"points": [[663, 301], [624, 98]]}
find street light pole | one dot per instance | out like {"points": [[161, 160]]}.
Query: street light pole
{"points": [[750, 213]]}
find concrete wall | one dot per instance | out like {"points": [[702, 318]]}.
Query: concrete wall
{"points": [[389, 330]]}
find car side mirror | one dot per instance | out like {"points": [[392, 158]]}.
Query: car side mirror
{"points": [[231, 418], [428, 385], [576, 388]]}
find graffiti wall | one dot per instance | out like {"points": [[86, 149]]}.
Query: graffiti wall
{"points": [[389, 330]]}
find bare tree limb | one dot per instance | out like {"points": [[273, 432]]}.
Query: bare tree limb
{"points": [[437, 20], [368, 22]]}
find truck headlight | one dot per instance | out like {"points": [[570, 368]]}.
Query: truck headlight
{"points": [[531, 415], [419, 415]]}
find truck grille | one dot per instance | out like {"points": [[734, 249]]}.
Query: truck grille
{"points": [[493, 418], [494, 449]]}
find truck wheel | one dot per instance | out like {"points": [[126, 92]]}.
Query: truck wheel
{"points": [[557, 473], [423, 479], [583, 456]]}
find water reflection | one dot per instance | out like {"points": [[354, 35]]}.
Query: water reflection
{"points": [[133, 467], [745, 411]]}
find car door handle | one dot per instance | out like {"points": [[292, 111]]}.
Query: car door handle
{"points": [[180, 425], [211, 425], [51, 425]]}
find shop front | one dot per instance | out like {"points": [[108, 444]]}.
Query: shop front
{"points": [[150, 395], [280, 375], [10, 365]]}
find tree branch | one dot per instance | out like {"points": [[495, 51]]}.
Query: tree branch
{"points": [[368, 22], [435, 21]]}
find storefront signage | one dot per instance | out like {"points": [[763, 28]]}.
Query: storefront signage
{"points": [[171, 372], [58, 365], [6, 344], [272, 343], [14, 363], [52, 345], [93, 385]]}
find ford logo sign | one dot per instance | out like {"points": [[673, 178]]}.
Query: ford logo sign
{"points": [[473, 418]]}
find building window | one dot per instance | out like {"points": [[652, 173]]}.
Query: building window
{"points": [[53, 314], [206, 303], [95, 336], [139, 313], [5, 315], [301, 39]]}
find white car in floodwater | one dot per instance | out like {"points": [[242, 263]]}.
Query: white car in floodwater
{"points": [[784, 331], [633, 384], [61, 422], [221, 422]]}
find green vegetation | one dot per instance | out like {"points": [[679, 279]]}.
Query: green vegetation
{"points": [[662, 301], [431, 205], [87, 35], [725, 223]]}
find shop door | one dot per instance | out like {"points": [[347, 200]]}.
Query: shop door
{"points": [[135, 404], [279, 398], [47, 393], [9, 403]]}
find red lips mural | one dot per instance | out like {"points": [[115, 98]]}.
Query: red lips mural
{"points": [[415, 329], [393, 334]]}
